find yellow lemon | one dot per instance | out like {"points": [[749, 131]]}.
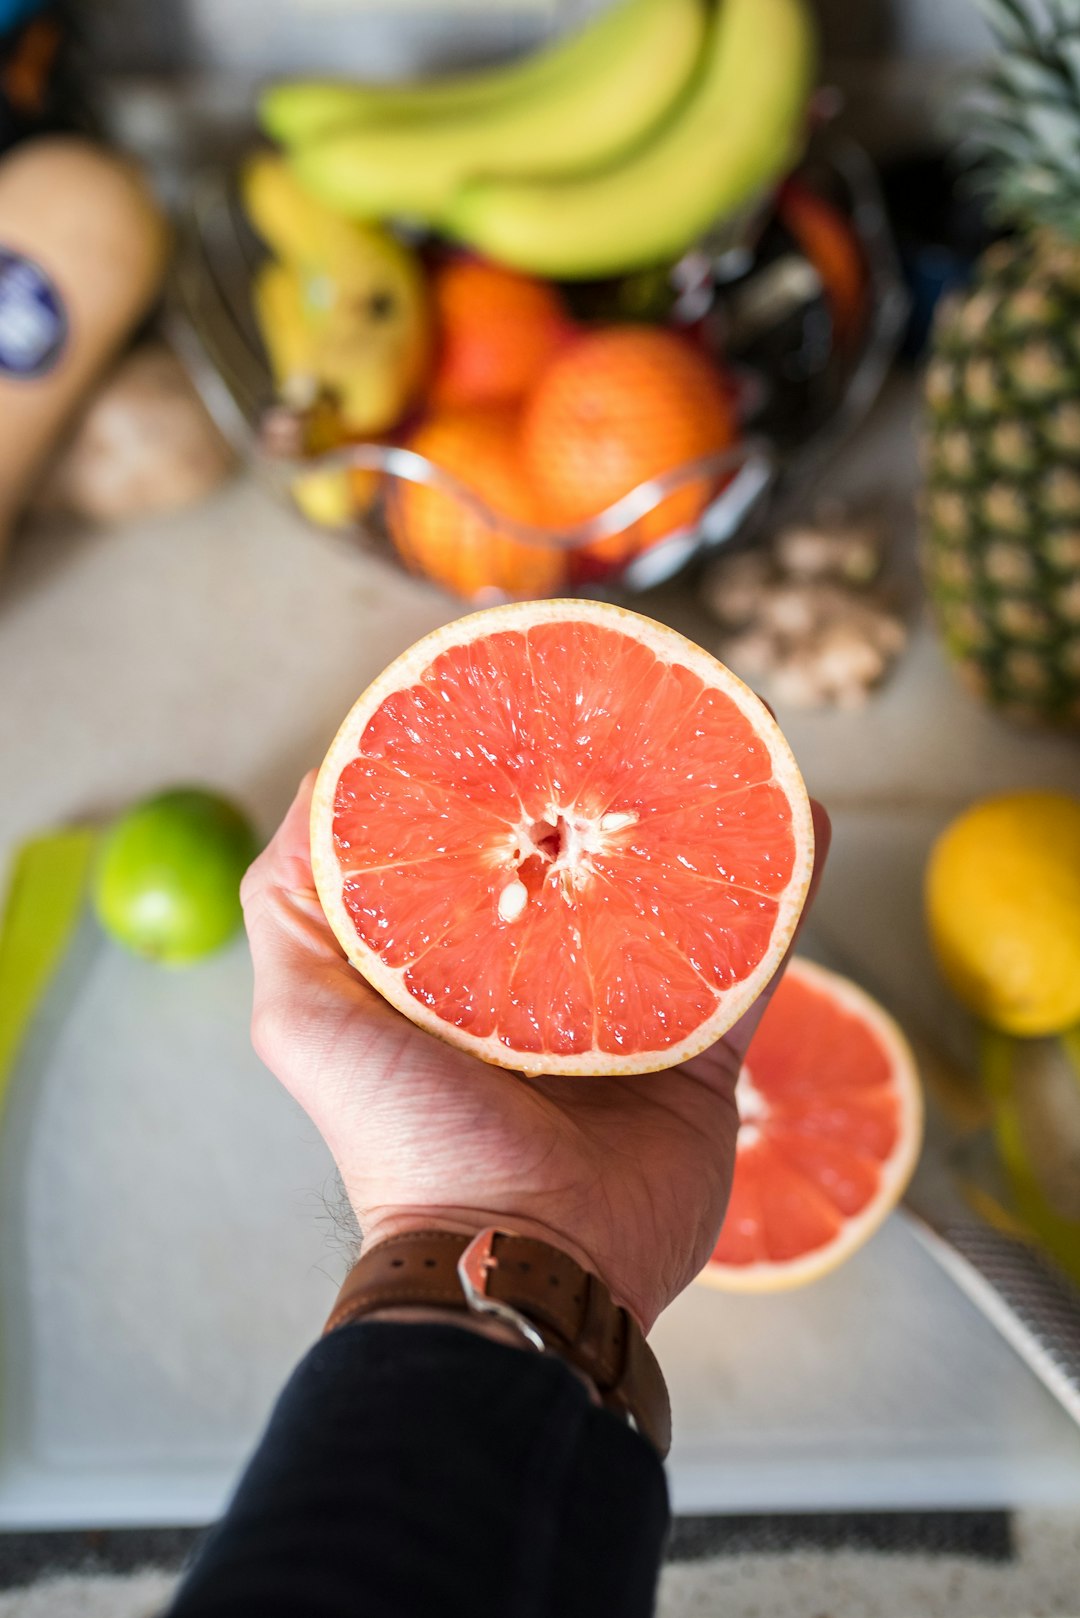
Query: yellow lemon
{"points": [[1003, 907]]}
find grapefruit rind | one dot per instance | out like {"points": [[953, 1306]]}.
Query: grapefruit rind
{"points": [[896, 1172], [668, 646]]}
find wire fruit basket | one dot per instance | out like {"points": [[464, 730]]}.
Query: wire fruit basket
{"points": [[722, 497]]}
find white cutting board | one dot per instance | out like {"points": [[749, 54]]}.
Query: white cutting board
{"points": [[166, 1247], [171, 1244]]}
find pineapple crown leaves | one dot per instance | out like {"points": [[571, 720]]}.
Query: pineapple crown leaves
{"points": [[1024, 123]]}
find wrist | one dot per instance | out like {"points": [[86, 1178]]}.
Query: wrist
{"points": [[528, 1283], [377, 1227]]}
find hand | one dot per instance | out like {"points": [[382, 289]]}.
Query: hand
{"points": [[629, 1175]]}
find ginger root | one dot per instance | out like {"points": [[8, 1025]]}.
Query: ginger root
{"points": [[799, 614], [145, 443]]}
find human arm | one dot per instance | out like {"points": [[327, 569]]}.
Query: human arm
{"points": [[629, 1176]]}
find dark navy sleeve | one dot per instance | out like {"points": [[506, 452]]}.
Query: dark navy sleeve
{"points": [[416, 1469]]}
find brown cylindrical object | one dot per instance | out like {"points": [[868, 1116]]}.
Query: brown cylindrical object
{"points": [[83, 247]]}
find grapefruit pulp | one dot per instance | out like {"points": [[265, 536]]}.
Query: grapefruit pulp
{"points": [[831, 1124], [563, 838]]}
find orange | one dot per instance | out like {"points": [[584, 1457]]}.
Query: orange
{"points": [[497, 329], [563, 838], [831, 1124], [462, 546], [618, 406]]}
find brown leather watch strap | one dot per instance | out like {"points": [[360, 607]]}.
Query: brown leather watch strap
{"points": [[540, 1289]]}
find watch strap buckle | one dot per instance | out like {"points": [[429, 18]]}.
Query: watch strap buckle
{"points": [[474, 1269]]}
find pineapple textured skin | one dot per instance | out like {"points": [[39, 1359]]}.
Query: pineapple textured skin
{"points": [[1000, 519]]}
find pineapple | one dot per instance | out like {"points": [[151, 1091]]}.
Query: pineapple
{"points": [[1001, 505]]}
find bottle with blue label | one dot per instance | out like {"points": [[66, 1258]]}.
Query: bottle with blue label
{"points": [[33, 322]]}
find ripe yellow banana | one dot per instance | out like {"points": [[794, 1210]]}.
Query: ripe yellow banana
{"points": [[733, 135], [289, 220], [345, 305], [304, 110], [415, 169], [278, 298]]}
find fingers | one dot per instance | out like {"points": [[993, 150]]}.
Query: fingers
{"points": [[305, 991], [822, 844], [284, 866], [717, 1067], [287, 856], [286, 927]]}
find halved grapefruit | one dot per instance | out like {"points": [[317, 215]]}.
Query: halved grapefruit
{"points": [[563, 838], [831, 1125]]}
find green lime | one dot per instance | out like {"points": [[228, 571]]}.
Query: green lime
{"points": [[167, 884]]}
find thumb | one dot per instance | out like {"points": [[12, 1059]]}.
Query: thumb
{"points": [[282, 913], [301, 974]]}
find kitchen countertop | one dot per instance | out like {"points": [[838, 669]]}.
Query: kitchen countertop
{"points": [[224, 644]]}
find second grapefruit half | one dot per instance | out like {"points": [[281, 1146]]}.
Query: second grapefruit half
{"points": [[831, 1115], [563, 838]]}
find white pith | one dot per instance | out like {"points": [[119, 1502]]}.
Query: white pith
{"points": [[579, 836], [751, 1105], [582, 836], [896, 1171]]}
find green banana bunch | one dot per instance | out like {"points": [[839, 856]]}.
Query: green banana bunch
{"points": [[565, 122], [735, 133], [298, 112], [611, 151]]}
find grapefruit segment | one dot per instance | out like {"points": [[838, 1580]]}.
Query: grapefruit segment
{"points": [[864, 1123], [744, 1241], [846, 1178], [830, 1127], [564, 838], [797, 1219], [713, 926]]}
